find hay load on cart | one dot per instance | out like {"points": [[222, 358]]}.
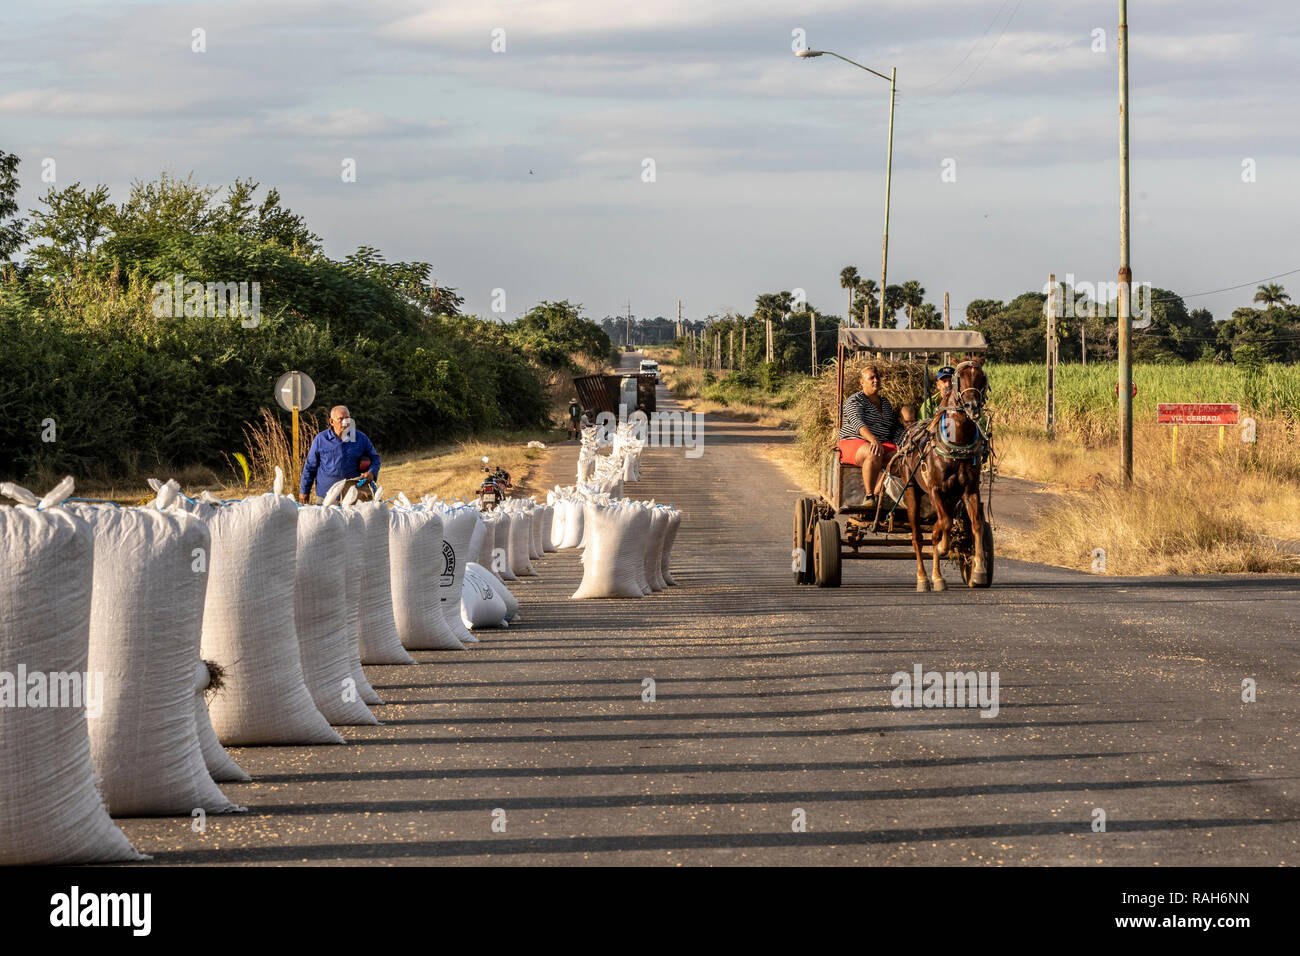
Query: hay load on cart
{"points": [[836, 525]]}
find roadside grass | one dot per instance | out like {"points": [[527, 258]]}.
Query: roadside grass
{"points": [[729, 397], [454, 470], [1204, 511], [450, 470]]}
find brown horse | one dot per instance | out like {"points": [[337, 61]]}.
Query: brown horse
{"points": [[944, 463]]}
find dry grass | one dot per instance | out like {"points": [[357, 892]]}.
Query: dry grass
{"points": [[1169, 527], [269, 445], [1208, 512], [686, 383], [453, 471]]}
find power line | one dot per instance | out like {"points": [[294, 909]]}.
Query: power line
{"points": [[972, 49], [1005, 26]]}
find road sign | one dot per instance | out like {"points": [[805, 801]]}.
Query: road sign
{"points": [[295, 390], [1197, 413]]}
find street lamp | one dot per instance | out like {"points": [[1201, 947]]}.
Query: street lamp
{"points": [[889, 159]]}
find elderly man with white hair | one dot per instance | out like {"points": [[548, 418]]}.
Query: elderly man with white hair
{"points": [[337, 453]]}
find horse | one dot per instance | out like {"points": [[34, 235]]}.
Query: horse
{"points": [[943, 461]]}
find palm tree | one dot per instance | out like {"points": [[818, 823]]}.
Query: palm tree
{"points": [[893, 302], [867, 301], [926, 316], [1271, 295], [849, 280], [913, 296]]}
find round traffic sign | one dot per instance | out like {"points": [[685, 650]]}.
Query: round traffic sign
{"points": [[295, 390]]}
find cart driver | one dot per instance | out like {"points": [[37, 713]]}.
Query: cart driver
{"points": [[942, 394], [869, 432]]}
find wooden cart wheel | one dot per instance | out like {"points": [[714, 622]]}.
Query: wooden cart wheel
{"points": [[967, 562], [802, 515], [986, 545], [826, 553]]}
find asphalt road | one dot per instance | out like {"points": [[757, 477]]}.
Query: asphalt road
{"points": [[1123, 695]]}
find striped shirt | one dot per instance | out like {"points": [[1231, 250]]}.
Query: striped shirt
{"points": [[860, 412]]}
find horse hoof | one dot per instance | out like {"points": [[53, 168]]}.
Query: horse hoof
{"points": [[922, 584], [940, 584], [979, 578]]}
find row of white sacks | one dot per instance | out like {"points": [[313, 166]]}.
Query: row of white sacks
{"points": [[605, 474], [627, 545], [108, 614]]}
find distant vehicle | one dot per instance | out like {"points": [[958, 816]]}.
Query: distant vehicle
{"points": [[650, 367], [495, 488]]}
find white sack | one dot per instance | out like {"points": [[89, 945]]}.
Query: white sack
{"points": [[520, 536], [356, 542], [613, 564], [573, 523], [674, 522], [377, 636], [457, 530], [536, 518], [248, 628], [219, 763], [500, 563], [50, 811], [480, 604], [146, 618], [415, 554], [654, 551], [324, 620]]}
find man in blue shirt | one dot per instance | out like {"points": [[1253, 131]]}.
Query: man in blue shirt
{"points": [[338, 452]]}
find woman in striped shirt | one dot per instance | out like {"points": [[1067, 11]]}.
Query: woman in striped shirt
{"points": [[868, 431]]}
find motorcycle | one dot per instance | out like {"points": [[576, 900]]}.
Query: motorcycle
{"points": [[495, 488]]}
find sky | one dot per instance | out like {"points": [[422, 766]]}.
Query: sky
{"points": [[649, 152]]}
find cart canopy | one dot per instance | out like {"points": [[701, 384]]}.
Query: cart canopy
{"points": [[913, 340]]}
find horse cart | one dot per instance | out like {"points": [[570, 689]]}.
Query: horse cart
{"points": [[836, 526]]}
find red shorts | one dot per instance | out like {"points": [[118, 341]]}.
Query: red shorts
{"points": [[849, 449]]}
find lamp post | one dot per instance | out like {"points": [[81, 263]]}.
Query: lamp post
{"points": [[889, 160]]}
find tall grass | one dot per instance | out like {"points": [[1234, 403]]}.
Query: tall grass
{"points": [[1194, 507], [269, 443]]}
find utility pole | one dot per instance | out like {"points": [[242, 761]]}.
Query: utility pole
{"points": [[947, 356], [731, 349], [767, 328], [1125, 271], [1051, 358], [812, 338], [889, 175], [679, 318], [744, 344], [627, 337]]}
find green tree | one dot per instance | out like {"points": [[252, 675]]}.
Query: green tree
{"points": [[912, 296], [867, 301], [849, 280], [1271, 295], [169, 205], [895, 299], [12, 236], [927, 316], [74, 222]]}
